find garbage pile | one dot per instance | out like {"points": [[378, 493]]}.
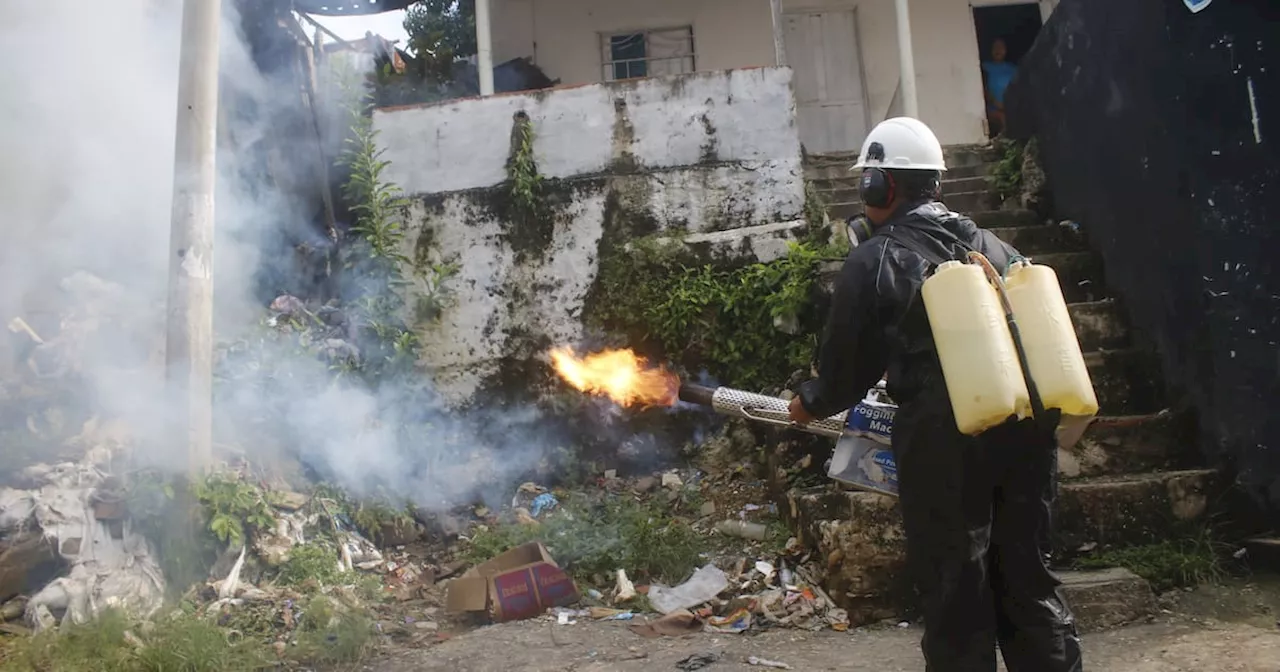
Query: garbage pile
{"points": [[70, 513], [753, 581]]}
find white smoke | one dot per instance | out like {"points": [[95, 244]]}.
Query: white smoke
{"points": [[86, 161]]}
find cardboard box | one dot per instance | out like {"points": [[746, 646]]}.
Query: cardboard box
{"points": [[522, 583]]}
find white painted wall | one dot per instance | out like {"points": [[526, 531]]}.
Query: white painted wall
{"points": [[450, 159], [562, 37], [464, 144]]}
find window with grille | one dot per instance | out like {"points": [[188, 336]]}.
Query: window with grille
{"points": [[647, 53]]}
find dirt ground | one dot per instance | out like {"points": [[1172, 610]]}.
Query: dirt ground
{"points": [[545, 646], [1224, 628]]}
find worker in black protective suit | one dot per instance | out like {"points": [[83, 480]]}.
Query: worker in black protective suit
{"points": [[976, 509]]}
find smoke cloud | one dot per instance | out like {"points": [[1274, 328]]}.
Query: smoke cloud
{"points": [[89, 102]]}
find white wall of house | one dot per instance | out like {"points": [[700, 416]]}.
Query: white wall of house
{"points": [[714, 154], [563, 38]]}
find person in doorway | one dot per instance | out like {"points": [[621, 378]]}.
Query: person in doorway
{"points": [[996, 75], [975, 509]]}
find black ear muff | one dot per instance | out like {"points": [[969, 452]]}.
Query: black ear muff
{"points": [[876, 187]]}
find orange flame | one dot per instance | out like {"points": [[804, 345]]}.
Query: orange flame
{"points": [[620, 375]]}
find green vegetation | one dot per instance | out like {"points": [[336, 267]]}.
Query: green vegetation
{"points": [[330, 632], [727, 320], [440, 32], [1006, 175], [1169, 564], [593, 540], [380, 275], [327, 633], [113, 644], [234, 507], [312, 562]]}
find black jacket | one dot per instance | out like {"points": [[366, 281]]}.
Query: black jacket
{"points": [[877, 322]]}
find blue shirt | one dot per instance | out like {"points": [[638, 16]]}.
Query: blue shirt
{"points": [[998, 77]]}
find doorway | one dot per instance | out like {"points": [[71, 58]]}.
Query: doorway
{"points": [[1016, 27], [831, 105]]}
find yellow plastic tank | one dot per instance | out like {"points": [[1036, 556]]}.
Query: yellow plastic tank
{"points": [[979, 362], [1049, 340]]}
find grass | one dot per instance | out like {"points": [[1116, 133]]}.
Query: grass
{"points": [[180, 644], [327, 634], [1166, 565], [312, 561], [593, 540]]}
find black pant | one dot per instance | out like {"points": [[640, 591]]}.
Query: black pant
{"points": [[977, 515]]}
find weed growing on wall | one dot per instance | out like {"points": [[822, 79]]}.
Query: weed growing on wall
{"points": [[1006, 175], [529, 221], [751, 326], [381, 275]]}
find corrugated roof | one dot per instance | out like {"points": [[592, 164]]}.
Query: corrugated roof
{"points": [[349, 7]]}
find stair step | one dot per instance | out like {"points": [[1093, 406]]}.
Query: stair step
{"points": [[968, 201], [1107, 598], [958, 156], [1079, 273], [1107, 510], [1131, 510], [859, 537], [1131, 444], [1100, 324], [1002, 219], [845, 189], [981, 170], [1043, 239], [964, 201], [1127, 382]]}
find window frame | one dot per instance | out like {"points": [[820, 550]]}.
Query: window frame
{"points": [[609, 65]]}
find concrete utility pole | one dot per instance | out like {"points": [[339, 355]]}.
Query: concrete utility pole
{"points": [[189, 332], [484, 47], [779, 33], [906, 60]]}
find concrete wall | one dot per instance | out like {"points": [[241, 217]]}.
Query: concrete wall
{"points": [[713, 154], [563, 38], [1157, 130]]}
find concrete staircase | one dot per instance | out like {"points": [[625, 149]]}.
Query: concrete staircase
{"points": [[1133, 478]]}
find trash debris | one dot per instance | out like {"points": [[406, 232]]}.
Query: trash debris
{"points": [[698, 661], [743, 529], [672, 480], [521, 583], [705, 584], [543, 503], [526, 494], [674, 624], [736, 622], [765, 662], [111, 565], [604, 613], [626, 589], [228, 588]]}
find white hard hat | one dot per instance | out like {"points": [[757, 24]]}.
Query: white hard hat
{"points": [[903, 143]]}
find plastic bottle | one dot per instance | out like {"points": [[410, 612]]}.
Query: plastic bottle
{"points": [[979, 362], [1049, 340]]}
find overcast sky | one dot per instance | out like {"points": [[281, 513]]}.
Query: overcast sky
{"points": [[388, 24]]}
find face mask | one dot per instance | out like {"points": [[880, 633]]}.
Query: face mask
{"points": [[859, 229]]}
